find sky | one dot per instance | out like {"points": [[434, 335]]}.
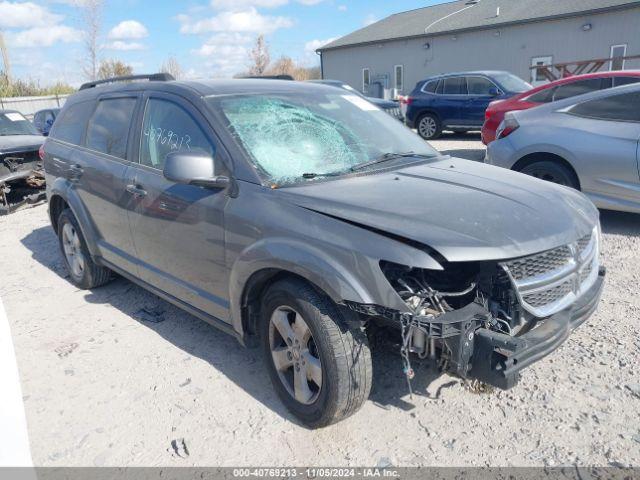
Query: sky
{"points": [[209, 38]]}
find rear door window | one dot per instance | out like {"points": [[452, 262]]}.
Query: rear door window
{"points": [[72, 123], [108, 129], [169, 128], [455, 86], [577, 88], [621, 108]]}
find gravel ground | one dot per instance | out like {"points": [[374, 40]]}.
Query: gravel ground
{"points": [[116, 376], [462, 145]]}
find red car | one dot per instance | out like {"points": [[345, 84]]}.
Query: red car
{"points": [[550, 92]]}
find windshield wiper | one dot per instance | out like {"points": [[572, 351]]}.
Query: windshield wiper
{"points": [[311, 175], [387, 157]]}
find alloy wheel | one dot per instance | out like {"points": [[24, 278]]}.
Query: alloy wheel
{"points": [[427, 127], [295, 355], [72, 250]]}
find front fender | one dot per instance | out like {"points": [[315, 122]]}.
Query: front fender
{"points": [[321, 268], [64, 189]]}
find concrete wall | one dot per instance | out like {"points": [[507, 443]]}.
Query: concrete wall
{"points": [[30, 105], [507, 48]]}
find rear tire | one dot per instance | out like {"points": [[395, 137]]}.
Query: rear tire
{"points": [[84, 273], [320, 365], [429, 126], [554, 172]]}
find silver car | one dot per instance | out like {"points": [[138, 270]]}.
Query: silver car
{"points": [[590, 143]]}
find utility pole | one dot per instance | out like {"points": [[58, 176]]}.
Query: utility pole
{"points": [[5, 58]]}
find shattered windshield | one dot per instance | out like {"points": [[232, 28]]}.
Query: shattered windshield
{"points": [[292, 138], [13, 123]]}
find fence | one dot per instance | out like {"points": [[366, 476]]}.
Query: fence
{"points": [[30, 105]]}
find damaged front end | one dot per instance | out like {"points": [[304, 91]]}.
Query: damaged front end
{"points": [[21, 180], [489, 320]]}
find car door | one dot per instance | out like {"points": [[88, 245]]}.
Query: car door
{"points": [[452, 98], [481, 91], [98, 171], [605, 145], [178, 230]]}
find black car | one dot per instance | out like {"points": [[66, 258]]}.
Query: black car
{"points": [[20, 163], [300, 218]]}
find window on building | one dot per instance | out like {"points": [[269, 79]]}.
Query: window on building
{"points": [[537, 74], [70, 126], [169, 128], [366, 80], [399, 78], [455, 86], [618, 52], [619, 108], [108, 129], [480, 86], [573, 89]]}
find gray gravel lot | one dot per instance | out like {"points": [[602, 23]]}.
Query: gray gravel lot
{"points": [[116, 376], [463, 145]]}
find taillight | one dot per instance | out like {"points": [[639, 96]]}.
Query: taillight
{"points": [[409, 100], [41, 152], [507, 127]]}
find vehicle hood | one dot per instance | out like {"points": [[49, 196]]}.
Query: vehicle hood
{"points": [[20, 143], [384, 104], [466, 211]]}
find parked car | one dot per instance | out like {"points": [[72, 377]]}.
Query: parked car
{"points": [[20, 164], [43, 120], [552, 92], [589, 143], [277, 212], [457, 101], [389, 106]]}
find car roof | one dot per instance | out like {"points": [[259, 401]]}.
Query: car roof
{"points": [[10, 111], [486, 73], [203, 88]]}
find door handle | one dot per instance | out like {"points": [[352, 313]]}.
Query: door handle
{"points": [[75, 172], [136, 191]]}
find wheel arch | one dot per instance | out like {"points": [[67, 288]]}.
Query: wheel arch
{"points": [[531, 158]]}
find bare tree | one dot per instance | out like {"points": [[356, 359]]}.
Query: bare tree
{"points": [[287, 66], [91, 15], [113, 68], [259, 57], [172, 67]]}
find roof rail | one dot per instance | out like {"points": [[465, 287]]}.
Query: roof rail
{"points": [[153, 77], [269, 77]]}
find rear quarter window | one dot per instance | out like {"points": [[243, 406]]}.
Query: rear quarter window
{"points": [[72, 122]]}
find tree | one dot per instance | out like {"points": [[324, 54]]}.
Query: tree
{"points": [[113, 68], [287, 66], [172, 67], [91, 13], [259, 56]]}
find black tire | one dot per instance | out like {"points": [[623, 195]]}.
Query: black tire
{"points": [[342, 350], [429, 126], [90, 275], [552, 171]]}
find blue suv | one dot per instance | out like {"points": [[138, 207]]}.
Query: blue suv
{"points": [[457, 101]]}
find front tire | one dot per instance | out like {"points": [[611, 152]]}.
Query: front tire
{"points": [[320, 365], [84, 273], [552, 172], [429, 126]]}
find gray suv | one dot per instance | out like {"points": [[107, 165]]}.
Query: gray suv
{"points": [[278, 212]]}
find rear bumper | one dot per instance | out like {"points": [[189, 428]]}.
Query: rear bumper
{"points": [[498, 359]]}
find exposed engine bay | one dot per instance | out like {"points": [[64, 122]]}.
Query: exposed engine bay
{"points": [[21, 180], [474, 319]]}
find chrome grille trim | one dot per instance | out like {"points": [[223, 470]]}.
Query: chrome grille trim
{"points": [[550, 281]]}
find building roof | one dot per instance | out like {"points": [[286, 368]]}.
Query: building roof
{"points": [[471, 15]]}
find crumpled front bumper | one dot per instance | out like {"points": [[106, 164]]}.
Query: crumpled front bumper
{"points": [[497, 358]]}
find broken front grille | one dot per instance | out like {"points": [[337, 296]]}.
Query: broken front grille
{"points": [[550, 281]]}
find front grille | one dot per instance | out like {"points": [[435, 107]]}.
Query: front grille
{"points": [[550, 281]]}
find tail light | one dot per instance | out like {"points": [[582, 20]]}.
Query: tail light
{"points": [[408, 100], [507, 127], [41, 152]]}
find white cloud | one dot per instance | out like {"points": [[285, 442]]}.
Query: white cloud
{"points": [[26, 15], [369, 19], [241, 4], [312, 45], [247, 21], [226, 53], [128, 30], [124, 46], [309, 2], [43, 36], [342, 8]]}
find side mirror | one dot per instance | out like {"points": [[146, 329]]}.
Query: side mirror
{"points": [[193, 168], [494, 92]]}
